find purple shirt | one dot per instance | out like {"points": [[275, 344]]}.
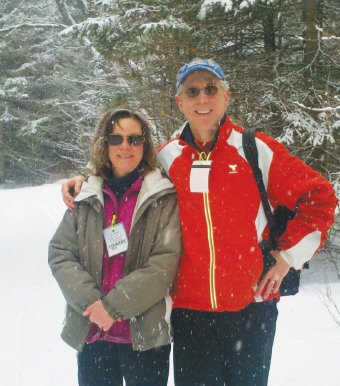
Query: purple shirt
{"points": [[113, 267]]}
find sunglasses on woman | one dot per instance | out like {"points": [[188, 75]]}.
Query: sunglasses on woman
{"points": [[132, 140], [194, 92]]}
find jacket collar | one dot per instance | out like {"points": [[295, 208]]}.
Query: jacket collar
{"points": [[91, 188], [221, 137], [188, 137], [153, 184]]}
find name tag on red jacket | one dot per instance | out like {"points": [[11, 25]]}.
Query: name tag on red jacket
{"points": [[199, 177]]}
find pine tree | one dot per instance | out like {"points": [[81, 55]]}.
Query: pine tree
{"points": [[51, 91]]}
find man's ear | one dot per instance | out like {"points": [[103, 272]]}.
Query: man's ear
{"points": [[226, 97], [179, 102]]}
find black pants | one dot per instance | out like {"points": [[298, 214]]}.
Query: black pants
{"points": [[104, 363], [224, 348]]}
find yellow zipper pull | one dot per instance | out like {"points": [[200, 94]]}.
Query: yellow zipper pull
{"points": [[113, 222], [202, 157]]}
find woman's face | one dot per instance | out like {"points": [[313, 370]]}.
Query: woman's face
{"points": [[124, 157]]}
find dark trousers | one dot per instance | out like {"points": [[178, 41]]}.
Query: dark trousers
{"points": [[224, 348], [103, 363]]}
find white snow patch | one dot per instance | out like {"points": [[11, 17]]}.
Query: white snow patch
{"points": [[306, 348]]}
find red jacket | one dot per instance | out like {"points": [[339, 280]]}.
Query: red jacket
{"points": [[221, 260]]}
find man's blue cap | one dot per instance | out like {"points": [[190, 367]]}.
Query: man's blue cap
{"points": [[199, 64]]}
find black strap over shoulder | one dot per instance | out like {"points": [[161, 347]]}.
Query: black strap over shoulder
{"points": [[277, 221], [251, 153]]}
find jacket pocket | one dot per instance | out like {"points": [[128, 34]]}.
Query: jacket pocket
{"points": [[151, 323]]}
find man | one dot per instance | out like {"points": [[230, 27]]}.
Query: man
{"points": [[224, 316]]}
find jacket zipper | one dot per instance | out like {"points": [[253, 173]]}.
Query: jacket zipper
{"points": [[212, 266], [116, 215], [114, 219]]}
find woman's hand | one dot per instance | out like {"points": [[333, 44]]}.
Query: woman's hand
{"points": [[99, 316], [272, 280], [70, 189]]}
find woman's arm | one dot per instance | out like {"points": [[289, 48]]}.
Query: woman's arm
{"points": [[77, 285]]}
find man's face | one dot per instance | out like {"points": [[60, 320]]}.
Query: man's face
{"points": [[205, 111]]}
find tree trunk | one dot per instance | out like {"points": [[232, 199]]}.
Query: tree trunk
{"points": [[312, 17], [269, 29]]}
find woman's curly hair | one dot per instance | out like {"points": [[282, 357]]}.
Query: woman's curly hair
{"points": [[100, 161]]}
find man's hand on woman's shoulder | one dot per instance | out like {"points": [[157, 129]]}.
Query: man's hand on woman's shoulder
{"points": [[70, 189]]}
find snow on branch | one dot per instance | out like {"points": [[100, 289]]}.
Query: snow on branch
{"points": [[7, 117], [330, 37], [109, 3], [326, 37], [31, 25], [228, 5], [33, 126], [317, 110], [305, 126], [98, 24], [170, 23], [84, 4]]}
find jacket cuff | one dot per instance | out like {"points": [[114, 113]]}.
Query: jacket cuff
{"points": [[289, 260], [302, 251], [110, 309], [286, 258]]}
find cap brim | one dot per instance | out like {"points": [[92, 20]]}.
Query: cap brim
{"points": [[196, 68]]}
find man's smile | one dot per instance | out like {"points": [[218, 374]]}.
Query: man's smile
{"points": [[203, 111]]}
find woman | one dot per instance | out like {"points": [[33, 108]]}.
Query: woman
{"points": [[115, 257]]}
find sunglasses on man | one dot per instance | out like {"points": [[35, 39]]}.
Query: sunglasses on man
{"points": [[132, 140], [193, 92]]}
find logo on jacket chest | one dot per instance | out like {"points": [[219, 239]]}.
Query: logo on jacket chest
{"points": [[232, 169]]}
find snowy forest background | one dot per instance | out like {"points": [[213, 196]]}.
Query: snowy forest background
{"points": [[63, 62]]}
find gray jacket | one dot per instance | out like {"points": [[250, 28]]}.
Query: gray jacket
{"points": [[152, 259]]}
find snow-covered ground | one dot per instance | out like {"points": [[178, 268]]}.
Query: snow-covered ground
{"points": [[307, 344]]}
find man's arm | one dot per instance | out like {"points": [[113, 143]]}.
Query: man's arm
{"points": [[293, 184], [70, 189]]}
